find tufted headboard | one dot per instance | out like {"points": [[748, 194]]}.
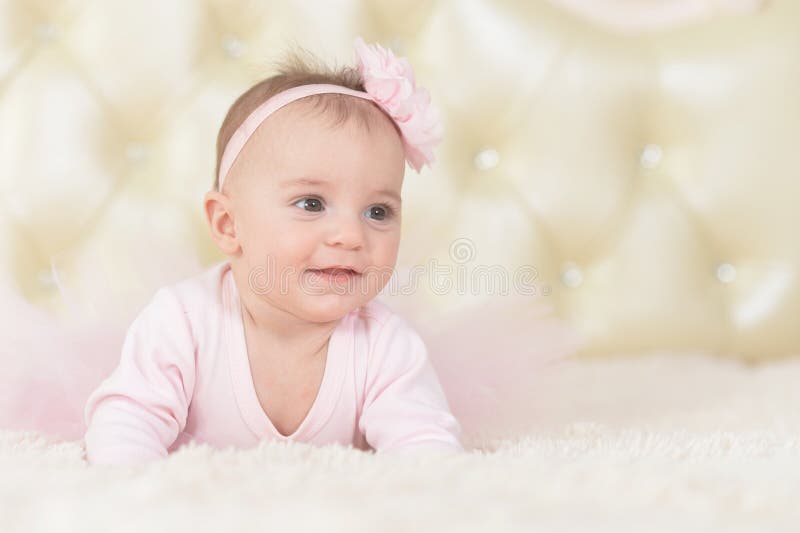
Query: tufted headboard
{"points": [[646, 185]]}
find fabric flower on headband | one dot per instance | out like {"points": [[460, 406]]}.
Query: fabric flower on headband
{"points": [[390, 81]]}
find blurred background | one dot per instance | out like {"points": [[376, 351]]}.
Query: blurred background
{"points": [[637, 160]]}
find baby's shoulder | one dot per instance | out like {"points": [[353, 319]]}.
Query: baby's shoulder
{"points": [[193, 297], [388, 342], [377, 319], [188, 305], [200, 291]]}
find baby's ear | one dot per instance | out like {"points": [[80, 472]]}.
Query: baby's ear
{"points": [[219, 215]]}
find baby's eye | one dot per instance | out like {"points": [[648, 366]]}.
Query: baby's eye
{"points": [[309, 204], [379, 212]]}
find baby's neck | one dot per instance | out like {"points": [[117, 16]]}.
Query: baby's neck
{"points": [[280, 335]]}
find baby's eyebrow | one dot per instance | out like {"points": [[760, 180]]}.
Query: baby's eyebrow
{"points": [[303, 181], [391, 194], [313, 181]]}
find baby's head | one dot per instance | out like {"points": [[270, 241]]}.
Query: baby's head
{"points": [[316, 186]]}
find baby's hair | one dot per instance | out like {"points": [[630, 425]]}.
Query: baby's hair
{"points": [[294, 71]]}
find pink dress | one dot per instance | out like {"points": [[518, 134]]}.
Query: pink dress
{"points": [[180, 372], [184, 375]]}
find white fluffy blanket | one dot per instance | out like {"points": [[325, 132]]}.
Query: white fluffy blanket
{"points": [[657, 443]]}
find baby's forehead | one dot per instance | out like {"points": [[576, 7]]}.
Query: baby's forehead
{"points": [[333, 182], [303, 140]]}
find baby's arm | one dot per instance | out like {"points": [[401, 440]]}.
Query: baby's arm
{"points": [[405, 408], [138, 411]]}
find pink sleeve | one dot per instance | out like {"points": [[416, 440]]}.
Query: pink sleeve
{"points": [[139, 410], [405, 409]]}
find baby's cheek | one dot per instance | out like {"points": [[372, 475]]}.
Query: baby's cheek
{"points": [[376, 279], [282, 240], [387, 256]]}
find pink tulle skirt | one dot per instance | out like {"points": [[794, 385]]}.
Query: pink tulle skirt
{"points": [[488, 361]]}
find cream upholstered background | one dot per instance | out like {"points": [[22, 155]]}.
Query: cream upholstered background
{"points": [[650, 180]]}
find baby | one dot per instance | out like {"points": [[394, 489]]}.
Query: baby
{"points": [[285, 340]]}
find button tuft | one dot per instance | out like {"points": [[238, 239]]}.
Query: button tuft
{"points": [[571, 275], [233, 46], [486, 159], [726, 272], [651, 156]]}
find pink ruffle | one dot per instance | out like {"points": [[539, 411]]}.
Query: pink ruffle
{"points": [[391, 83]]}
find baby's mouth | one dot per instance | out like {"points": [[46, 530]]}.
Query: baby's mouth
{"points": [[334, 273]]}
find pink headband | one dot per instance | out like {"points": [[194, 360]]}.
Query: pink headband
{"points": [[389, 82]]}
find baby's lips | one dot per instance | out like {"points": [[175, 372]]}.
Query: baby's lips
{"points": [[337, 268]]}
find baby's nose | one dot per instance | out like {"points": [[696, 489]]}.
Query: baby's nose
{"points": [[347, 232]]}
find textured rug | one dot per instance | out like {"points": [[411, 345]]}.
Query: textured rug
{"points": [[661, 442]]}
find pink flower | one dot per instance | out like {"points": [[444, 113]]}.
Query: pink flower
{"points": [[390, 81]]}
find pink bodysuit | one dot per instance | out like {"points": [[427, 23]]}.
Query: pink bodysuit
{"points": [[184, 375]]}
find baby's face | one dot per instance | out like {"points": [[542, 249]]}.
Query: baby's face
{"points": [[309, 195]]}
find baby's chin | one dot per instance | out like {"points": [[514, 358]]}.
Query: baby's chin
{"points": [[329, 307]]}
